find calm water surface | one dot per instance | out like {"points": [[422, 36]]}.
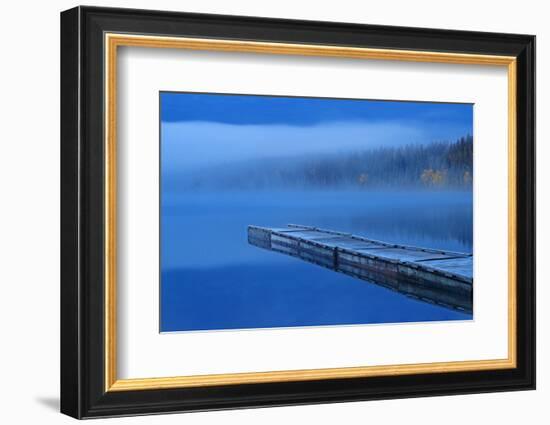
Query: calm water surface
{"points": [[211, 278]]}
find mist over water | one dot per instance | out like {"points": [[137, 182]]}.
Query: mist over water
{"points": [[213, 279]]}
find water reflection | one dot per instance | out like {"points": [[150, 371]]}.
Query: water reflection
{"points": [[212, 278]]}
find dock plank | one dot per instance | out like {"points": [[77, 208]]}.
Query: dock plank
{"points": [[409, 255], [462, 266]]}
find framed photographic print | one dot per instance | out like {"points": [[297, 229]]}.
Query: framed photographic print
{"points": [[261, 212]]}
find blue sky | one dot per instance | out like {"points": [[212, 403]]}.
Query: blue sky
{"points": [[201, 130]]}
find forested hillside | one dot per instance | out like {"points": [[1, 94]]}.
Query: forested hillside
{"points": [[436, 165]]}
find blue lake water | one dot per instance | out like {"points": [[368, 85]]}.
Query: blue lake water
{"points": [[211, 278]]}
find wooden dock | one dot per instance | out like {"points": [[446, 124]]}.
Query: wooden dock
{"points": [[438, 277]]}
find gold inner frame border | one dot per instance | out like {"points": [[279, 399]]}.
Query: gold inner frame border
{"points": [[111, 43]]}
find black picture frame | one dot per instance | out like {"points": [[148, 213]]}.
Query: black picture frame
{"points": [[83, 392]]}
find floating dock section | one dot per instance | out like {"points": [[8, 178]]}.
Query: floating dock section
{"points": [[438, 277]]}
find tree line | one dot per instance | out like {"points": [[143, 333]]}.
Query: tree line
{"points": [[434, 165]]}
